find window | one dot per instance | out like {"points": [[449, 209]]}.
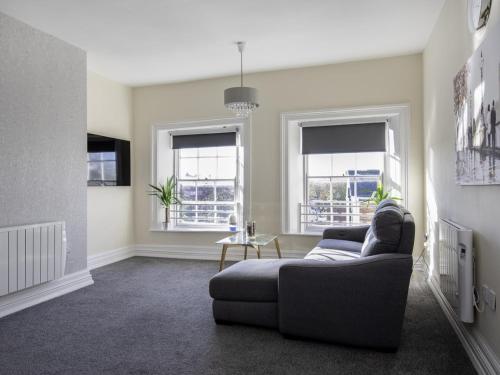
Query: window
{"points": [[207, 185], [332, 161], [209, 160], [101, 169], [337, 188]]}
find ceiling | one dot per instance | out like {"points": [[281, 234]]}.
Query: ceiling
{"points": [[139, 42]]}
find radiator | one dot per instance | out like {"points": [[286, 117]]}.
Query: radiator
{"points": [[456, 268], [31, 255]]}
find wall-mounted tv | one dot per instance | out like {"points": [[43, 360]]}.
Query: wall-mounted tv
{"points": [[108, 161]]}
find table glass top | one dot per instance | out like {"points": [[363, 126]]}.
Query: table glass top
{"points": [[241, 238]]}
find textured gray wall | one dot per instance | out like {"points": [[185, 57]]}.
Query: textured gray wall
{"points": [[43, 133]]}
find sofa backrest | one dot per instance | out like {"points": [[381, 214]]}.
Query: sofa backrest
{"points": [[386, 203], [392, 230], [407, 233]]}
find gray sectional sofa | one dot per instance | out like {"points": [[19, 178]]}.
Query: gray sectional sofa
{"points": [[350, 289]]}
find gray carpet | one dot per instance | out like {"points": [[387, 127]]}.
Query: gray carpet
{"points": [[153, 316]]}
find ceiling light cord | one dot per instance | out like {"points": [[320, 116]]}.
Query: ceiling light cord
{"points": [[241, 68], [241, 47]]}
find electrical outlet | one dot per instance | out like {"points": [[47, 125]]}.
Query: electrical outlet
{"points": [[489, 297]]}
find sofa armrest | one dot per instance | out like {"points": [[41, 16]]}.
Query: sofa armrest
{"points": [[356, 233], [357, 302]]}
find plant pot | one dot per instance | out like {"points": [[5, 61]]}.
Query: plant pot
{"points": [[167, 218]]}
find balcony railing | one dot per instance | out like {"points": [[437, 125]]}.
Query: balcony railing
{"points": [[317, 215], [203, 214]]}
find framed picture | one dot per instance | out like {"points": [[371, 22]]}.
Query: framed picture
{"points": [[476, 93]]}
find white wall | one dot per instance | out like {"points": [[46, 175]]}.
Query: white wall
{"points": [[477, 207], [374, 82], [110, 209], [42, 133]]}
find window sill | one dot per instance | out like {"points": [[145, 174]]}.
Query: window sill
{"points": [[193, 230]]}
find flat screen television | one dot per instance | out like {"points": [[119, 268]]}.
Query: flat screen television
{"points": [[108, 161]]}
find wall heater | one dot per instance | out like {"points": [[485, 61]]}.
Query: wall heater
{"points": [[31, 255], [456, 268]]}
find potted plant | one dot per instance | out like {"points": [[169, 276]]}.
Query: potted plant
{"points": [[379, 194], [166, 195]]}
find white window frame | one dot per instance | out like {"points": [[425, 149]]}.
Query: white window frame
{"points": [[200, 126], [237, 194], [398, 115]]}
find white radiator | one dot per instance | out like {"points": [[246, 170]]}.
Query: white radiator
{"points": [[31, 255], [456, 268]]}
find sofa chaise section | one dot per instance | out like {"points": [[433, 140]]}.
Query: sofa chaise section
{"points": [[247, 293]]}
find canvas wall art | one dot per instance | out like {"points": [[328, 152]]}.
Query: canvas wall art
{"points": [[476, 94]]}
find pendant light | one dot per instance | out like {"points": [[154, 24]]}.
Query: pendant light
{"points": [[241, 100]]}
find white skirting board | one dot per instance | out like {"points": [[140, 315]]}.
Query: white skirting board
{"points": [[110, 256], [14, 302], [482, 356], [184, 252], [211, 252]]}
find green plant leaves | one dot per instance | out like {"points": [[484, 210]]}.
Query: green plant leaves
{"points": [[166, 192], [379, 194]]}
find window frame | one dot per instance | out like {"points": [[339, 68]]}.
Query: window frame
{"points": [[237, 198], [158, 149], [398, 116], [355, 178]]}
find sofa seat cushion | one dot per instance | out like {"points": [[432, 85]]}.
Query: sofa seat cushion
{"points": [[249, 280], [341, 245], [331, 255]]}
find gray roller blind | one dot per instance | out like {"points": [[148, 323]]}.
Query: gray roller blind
{"points": [[204, 140], [336, 139]]}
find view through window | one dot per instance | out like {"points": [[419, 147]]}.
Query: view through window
{"points": [[337, 188], [207, 181]]}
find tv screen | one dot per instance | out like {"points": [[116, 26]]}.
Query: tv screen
{"points": [[108, 161]]}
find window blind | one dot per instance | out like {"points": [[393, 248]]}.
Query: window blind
{"points": [[336, 139], [204, 140]]}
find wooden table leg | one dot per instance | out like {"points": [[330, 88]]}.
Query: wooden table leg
{"points": [[246, 252], [223, 257], [277, 244]]}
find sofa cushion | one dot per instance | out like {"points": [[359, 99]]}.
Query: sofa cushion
{"points": [[340, 245], [385, 232], [330, 255], [248, 280]]}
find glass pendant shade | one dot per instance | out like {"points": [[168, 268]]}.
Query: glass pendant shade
{"points": [[241, 100]]}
